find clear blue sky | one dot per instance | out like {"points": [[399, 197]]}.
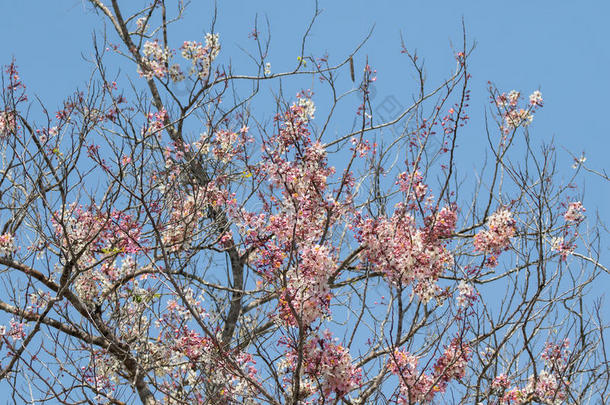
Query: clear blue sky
{"points": [[559, 47]]}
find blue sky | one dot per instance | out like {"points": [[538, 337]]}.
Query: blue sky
{"points": [[556, 46]]}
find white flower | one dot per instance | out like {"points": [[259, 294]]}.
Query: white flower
{"points": [[536, 98], [579, 161], [175, 73], [466, 293], [141, 24], [213, 45], [513, 96], [308, 108]]}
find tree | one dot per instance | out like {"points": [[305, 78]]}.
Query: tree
{"points": [[290, 259]]}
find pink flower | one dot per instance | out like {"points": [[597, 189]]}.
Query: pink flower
{"points": [[329, 364], [307, 296], [7, 244], [575, 213], [501, 382], [411, 184], [404, 253], [562, 247], [16, 331], [416, 386], [496, 238], [154, 61], [536, 98], [452, 364], [467, 295], [556, 355], [7, 123]]}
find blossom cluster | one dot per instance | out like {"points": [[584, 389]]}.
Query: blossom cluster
{"points": [[305, 107], [155, 60], [452, 363], [295, 168], [496, 238], [575, 212], [328, 367], [536, 98], [295, 215], [440, 225], [417, 386], [156, 122], [406, 253], [363, 147], [7, 123], [512, 115], [187, 210], [307, 296], [141, 25], [101, 372], [555, 355], [7, 244], [94, 237], [466, 294], [183, 222], [501, 382], [546, 387], [563, 247], [201, 56], [228, 145], [16, 330], [412, 185], [187, 363]]}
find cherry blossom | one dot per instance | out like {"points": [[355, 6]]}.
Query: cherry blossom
{"points": [[198, 245], [328, 366], [416, 386], [155, 60], [7, 123], [7, 244], [496, 238], [574, 213], [408, 254]]}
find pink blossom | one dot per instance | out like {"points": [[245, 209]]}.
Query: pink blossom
{"points": [[407, 254], [513, 116], [575, 212], [308, 295], [555, 355], [154, 61], [467, 295], [7, 123], [156, 121], [7, 244], [496, 238], [329, 364], [16, 331], [452, 364], [201, 56], [536, 98], [563, 247], [501, 382], [412, 185], [417, 386]]}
